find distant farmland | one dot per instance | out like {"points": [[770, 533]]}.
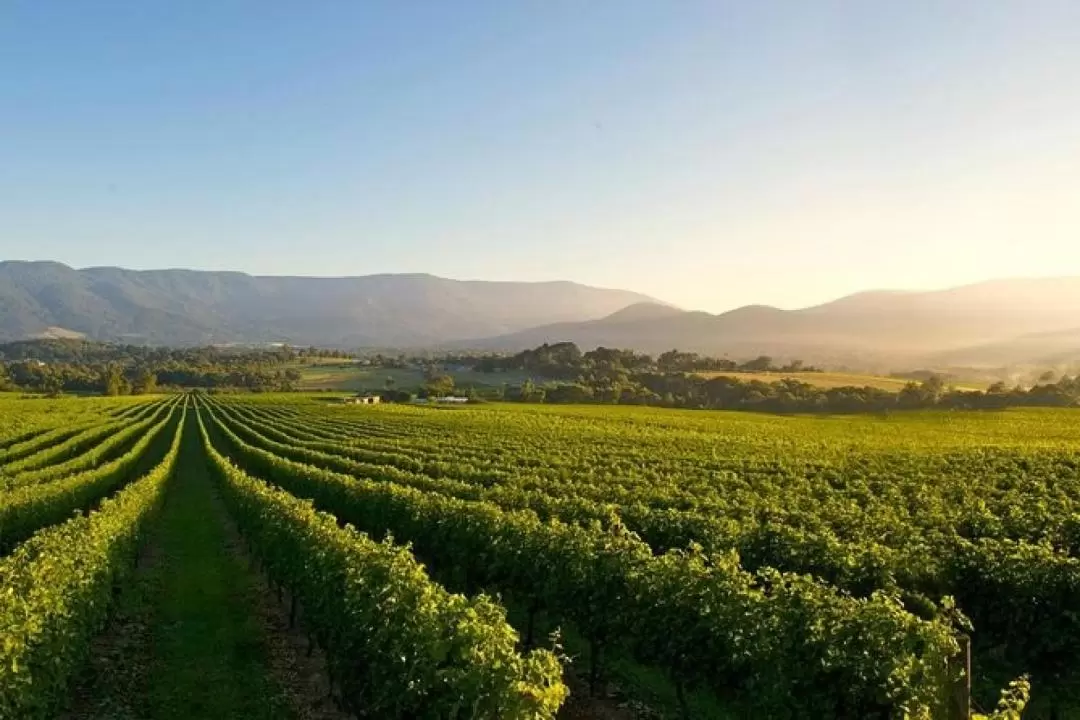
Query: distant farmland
{"points": [[830, 380], [346, 377], [351, 378]]}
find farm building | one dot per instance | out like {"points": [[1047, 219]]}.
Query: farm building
{"points": [[362, 400]]}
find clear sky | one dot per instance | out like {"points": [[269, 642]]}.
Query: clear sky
{"points": [[710, 153]]}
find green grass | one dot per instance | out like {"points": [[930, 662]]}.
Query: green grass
{"points": [[352, 378], [335, 377], [183, 642], [209, 652]]}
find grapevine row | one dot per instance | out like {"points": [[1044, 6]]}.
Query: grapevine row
{"points": [[79, 450], [109, 440], [29, 508], [1013, 591], [897, 499], [58, 588], [786, 644], [398, 645]]}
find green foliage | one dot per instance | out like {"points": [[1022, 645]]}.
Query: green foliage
{"points": [[84, 449], [920, 506], [58, 586], [565, 361], [438, 385], [398, 644], [33, 505], [793, 567], [114, 381], [786, 645], [1014, 699], [55, 366], [675, 379]]}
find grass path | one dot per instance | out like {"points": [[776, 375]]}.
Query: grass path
{"points": [[209, 649], [186, 643]]}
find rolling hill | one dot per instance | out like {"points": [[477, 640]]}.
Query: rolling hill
{"points": [[1056, 348], [994, 323], [1019, 320], [185, 307]]}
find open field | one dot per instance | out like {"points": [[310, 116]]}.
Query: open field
{"points": [[825, 547], [347, 377], [833, 380], [334, 375], [355, 378]]}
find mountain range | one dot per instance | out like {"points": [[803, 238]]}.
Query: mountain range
{"points": [[994, 323], [186, 307]]}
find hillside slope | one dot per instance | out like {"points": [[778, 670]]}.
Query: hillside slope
{"points": [[1056, 348], [999, 322], [181, 307], [866, 328]]}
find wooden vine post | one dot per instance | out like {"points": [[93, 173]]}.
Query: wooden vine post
{"points": [[960, 696]]}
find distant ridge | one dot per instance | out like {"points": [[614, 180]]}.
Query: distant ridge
{"points": [[184, 307], [980, 324], [993, 323], [643, 311]]}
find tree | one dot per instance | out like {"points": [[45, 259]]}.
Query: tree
{"points": [[1047, 377], [911, 395], [928, 393], [531, 392], [114, 381], [52, 386], [569, 393], [439, 385], [934, 388], [762, 363], [144, 383]]}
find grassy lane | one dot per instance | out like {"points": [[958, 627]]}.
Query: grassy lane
{"points": [[188, 621], [210, 653]]}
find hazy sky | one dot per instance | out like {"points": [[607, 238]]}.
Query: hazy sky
{"points": [[710, 153]]}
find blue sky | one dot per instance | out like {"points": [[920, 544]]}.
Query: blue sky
{"points": [[709, 153]]}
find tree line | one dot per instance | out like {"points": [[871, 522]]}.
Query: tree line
{"points": [[686, 390], [565, 361], [58, 366], [674, 379]]}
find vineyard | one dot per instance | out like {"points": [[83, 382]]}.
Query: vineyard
{"points": [[510, 561]]}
